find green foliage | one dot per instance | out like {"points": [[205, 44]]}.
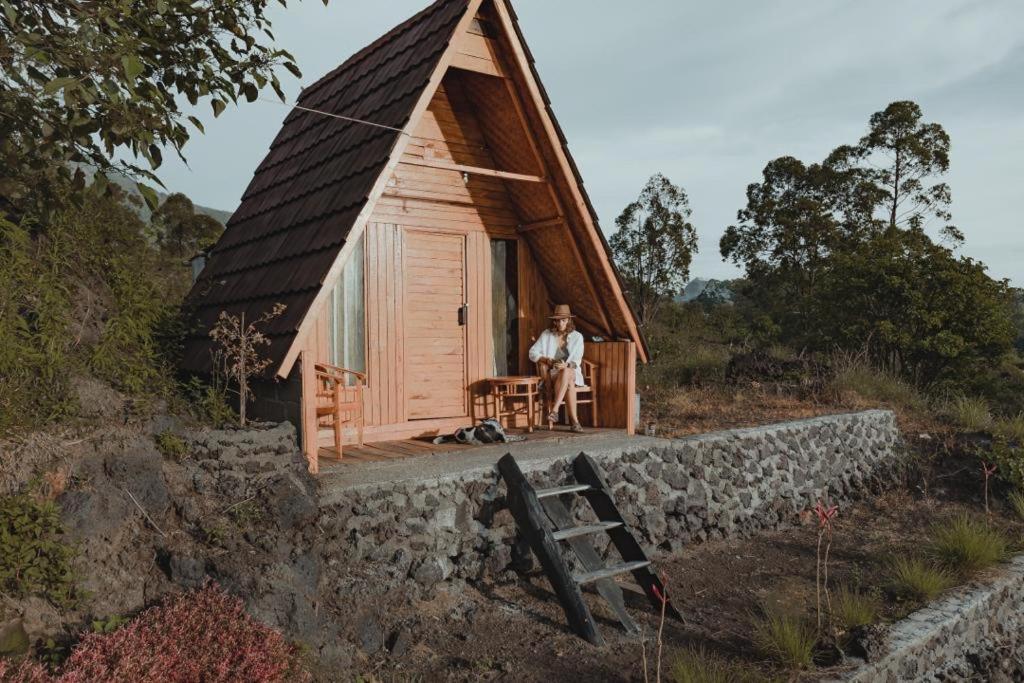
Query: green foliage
{"points": [[33, 557], [917, 579], [99, 81], [1008, 457], [969, 413], [815, 235], [787, 639], [171, 445], [247, 514], [966, 545], [1010, 428], [180, 231], [654, 245], [694, 665], [88, 295], [108, 625], [851, 608], [209, 401], [1016, 499], [35, 312]]}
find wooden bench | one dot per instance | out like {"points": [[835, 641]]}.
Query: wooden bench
{"points": [[339, 400]]}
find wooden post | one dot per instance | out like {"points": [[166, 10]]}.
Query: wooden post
{"points": [[309, 432]]}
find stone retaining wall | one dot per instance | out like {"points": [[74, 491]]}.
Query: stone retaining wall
{"points": [[672, 492], [975, 634]]}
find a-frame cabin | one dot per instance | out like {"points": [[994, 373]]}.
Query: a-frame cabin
{"points": [[425, 250]]}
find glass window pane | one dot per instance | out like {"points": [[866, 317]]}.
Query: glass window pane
{"points": [[348, 314]]}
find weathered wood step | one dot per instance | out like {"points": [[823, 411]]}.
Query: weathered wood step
{"points": [[609, 572], [562, 490], [573, 532]]}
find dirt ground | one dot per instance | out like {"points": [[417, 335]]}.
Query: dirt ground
{"points": [[517, 632]]}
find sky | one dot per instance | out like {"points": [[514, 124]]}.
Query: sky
{"points": [[707, 93]]}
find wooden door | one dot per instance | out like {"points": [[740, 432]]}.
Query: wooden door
{"points": [[435, 336]]}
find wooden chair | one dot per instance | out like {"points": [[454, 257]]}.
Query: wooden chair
{"points": [[339, 397], [585, 395]]}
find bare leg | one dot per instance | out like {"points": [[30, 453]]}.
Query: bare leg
{"points": [[564, 381], [570, 404]]}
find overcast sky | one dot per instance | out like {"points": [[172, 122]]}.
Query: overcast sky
{"points": [[707, 93]]}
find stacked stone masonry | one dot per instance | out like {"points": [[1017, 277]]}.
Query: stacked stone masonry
{"points": [[673, 492], [974, 634]]}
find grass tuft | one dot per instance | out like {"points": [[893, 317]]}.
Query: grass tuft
{"points": [[966, 545], [697, 665], [851, 608], [919, 580], [1017, 502], [861, 380], [1010, 428], [785, 638], [970, 414]]}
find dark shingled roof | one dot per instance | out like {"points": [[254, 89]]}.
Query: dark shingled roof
{"points": [[306, 194]]}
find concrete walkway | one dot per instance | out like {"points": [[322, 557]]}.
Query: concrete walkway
{"points": [[447, 466]]}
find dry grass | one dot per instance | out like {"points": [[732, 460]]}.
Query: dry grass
{"points": [[1016, 499], [1010, 428], [698, 410], [969, 413], [858, 384]]}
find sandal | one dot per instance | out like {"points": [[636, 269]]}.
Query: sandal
{"points": [[577, 428], [552, 417]]}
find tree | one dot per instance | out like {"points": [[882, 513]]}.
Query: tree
{"points": [[238, 357], [900, 154], [654, 245], [914, 306], [180, 231], [837, 255], [92, 81]]}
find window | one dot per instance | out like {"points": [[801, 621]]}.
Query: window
{"points": [[505, 306], [348, 315]]}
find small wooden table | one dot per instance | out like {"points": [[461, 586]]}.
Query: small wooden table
{"points": [[508, 391]]}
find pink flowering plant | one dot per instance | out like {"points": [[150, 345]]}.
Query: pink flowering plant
{"points": [[204, 635]]}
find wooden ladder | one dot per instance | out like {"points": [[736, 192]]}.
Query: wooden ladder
{"points": [[544, 519]]}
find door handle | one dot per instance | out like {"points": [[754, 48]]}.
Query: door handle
{"points": [[463, 314]]}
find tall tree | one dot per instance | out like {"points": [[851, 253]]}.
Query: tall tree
{"points": [[180, 231], [93, 81], [903, 156], [654, 245]]}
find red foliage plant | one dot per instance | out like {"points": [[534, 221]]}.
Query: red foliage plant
{"points": [[200, 636]]}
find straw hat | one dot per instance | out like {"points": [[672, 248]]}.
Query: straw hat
{"points": [[562, 311]]}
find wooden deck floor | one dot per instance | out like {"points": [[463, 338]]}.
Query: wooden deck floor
{"points": [[411, 448]]}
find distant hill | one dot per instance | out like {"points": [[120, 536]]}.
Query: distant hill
{"points": [[142, 208], [701, 289]]}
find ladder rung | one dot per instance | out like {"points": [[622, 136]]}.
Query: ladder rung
{"points": [[562, 490], [608, 572], [573, 532]]}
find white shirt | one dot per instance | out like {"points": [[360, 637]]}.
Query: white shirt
{"points": [[546, 346]]}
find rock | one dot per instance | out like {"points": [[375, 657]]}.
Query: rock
{"points": [[499, 559], [290, 503], [400, 642], [370, 634], [13, 638], [188, 572], [432, 571]]}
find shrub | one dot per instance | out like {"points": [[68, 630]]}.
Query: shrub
{"points": [[785, 638], [966, 545], [1017, 502], [970, 414], [209, 401], [860, 379], [918, 580], [171, 445], [851, 608], [33, 558], [694, 665], [1010, 428], [199, 636]]}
